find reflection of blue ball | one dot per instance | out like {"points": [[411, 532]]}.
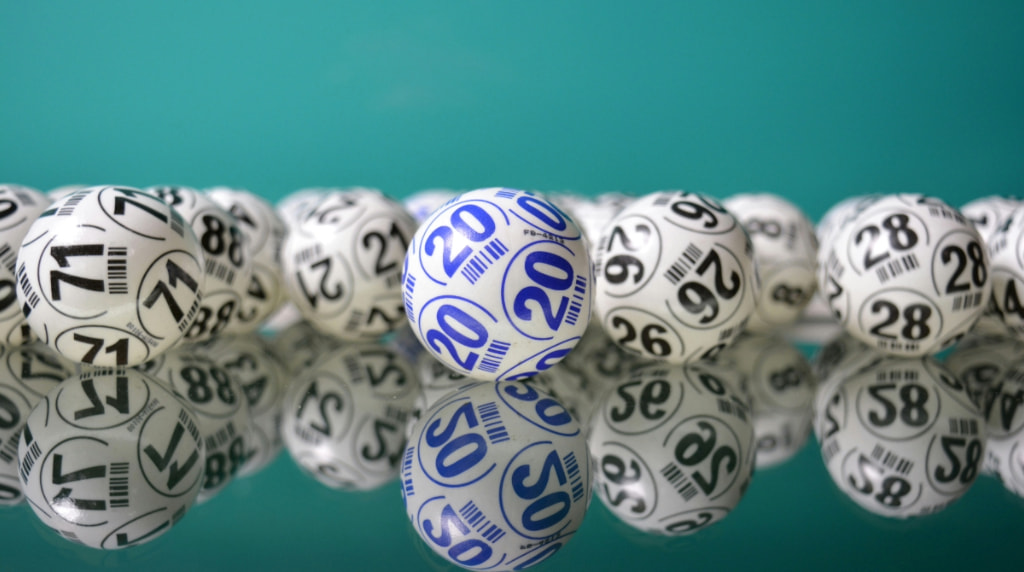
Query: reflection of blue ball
{"points": [[496, 476], [497, 284]]}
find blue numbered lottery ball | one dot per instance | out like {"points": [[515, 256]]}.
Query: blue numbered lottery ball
{"points": [[342, 264], [227, 261], [110, 458], [674, 447], [785, 250], [676, 279], [220, 408], [1004, 453], [498, 284], [264, 231], [19, 208], [901, 437], [345, 419], [496, 476], [908, 275], [110, 276], [27, 374]]}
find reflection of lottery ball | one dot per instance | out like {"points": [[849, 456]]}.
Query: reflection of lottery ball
{"points": [[222, 412], [676, 279], [785, 249], [982, 360], [908, 275], [19, 208], [111, 458], [674, 448], [27, 373], [227, 265], [342, 264], [496, 476], [423, 203], [345, 419], [901, 437], [989, 214], [781, 386], [1004, 410], [834, 362], [599, 361], [265, 232], [299, 345], [1006, 247], [498, 284], [263, 381], [110, 276]]}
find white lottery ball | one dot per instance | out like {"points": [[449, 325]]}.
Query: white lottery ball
{"points": [[901, 437], [227, 261], [1006, 248], [111, 459], [265, 233], [19, 208], [989, 214], [1003, 404], [221, 410], [263, 380], [675, 277], [296, 204], [58, 193], [422, 204], [909, 275], [498, 284], [838, 216], [110, 276], [342, 264], [345, 418], [785, 250], [496, 476], [674, 448]]}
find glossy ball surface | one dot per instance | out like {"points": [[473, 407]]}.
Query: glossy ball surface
{"points": [[19, 208]]}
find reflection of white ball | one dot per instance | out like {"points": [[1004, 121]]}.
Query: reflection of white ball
{"points": [[496, 476], [901, 437], [342, 264], [498, 284], [908, 275], [1004, 410], [785, 249], [110, 276], [299, 345], [111, 459], [981, 360], [19, 208], [673, 446], [676, 279]]}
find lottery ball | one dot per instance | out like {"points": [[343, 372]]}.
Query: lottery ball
{"points": [[496, 476], [1004, 414], [342, 264], [1006, 248], [62, 191], [785, 251], [265, 232], [27, 374], [674, 448], [498, 284], [600, 362], [982, 359], [345, 418], [422, 204], [263, 381], [110, 458], [676, 279], [781, 386], [989, 214], [298, 346], [908, 275], [901, 437], [110, 276], [221, 411], [227, 261], [19, 208]]}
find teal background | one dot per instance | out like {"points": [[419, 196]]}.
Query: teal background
{"points": [[811, 100]]}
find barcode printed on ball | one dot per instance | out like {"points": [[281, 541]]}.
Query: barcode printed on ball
{"points": [[493, 356], [221, 437], [679, 481], [396, 413], [505, 194], [29, 460], [177, 223], [410, 454], [9, 450], [963, 426], [691, 254], [572, 469], [731, 408], [189, 425], [829, 450], [894, 268], [475, 518], [355, 369], [410, 284], [662, 200], [72, 201], [220, 271], [117, 270], [491, 418], [9, 257], [354, 320], [308, 253], [897, 375], [967, 301], [118, 485], [31, 298], [68, 534], [725, 334], [948, 214], [393, 280], [576, 304], [476, 266], [834, 266], [891, 460]]}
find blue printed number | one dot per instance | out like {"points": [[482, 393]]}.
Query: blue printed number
{"points": [[473, 223], [469, 552], [457, 329], [468, 449], [548, 409], [546, 510], [539, 267], [543, 211]]}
